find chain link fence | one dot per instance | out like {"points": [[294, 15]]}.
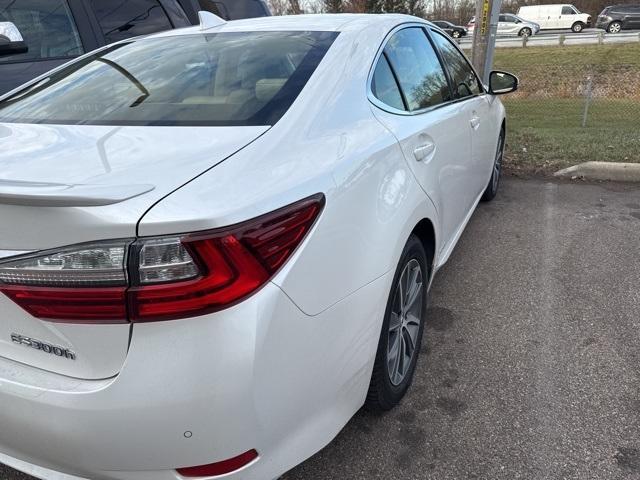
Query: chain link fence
{"points": [[567, 114]]}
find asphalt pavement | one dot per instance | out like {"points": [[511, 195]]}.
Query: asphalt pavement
{"points": [[529, 365], [550, 38]]}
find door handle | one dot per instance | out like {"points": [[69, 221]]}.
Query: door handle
{"points": [[423, 151], [475, 122]]}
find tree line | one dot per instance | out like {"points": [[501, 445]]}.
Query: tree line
{"points": [[456, 11]]}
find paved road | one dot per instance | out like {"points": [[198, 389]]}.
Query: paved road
{"points": [[549, 38], [529, 366]]}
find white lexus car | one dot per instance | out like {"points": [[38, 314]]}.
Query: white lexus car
{"points": [[216, 243]]}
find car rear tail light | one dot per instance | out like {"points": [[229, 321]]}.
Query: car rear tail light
{"points": [[85, 282], [209, 271], [160, 278], [219, 468]]}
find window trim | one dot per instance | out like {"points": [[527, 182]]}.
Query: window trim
{"points": [[483, 89], [426, 28]]}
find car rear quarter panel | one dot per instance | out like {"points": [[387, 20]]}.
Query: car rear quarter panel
{"points": [[328, 142]]}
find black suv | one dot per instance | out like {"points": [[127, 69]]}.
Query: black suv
{"points": [[619, 17], [38, 35]]}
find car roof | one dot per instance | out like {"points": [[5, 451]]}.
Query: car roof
{"points": [[335, 22]]}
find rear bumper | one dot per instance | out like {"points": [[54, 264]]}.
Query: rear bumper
{"points": [[603, 23], [259, 375]]}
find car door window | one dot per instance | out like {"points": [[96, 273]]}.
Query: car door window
{"points": [[567, 11], [502, 18], [120, 19], [384, 86], [47, 27], [464, 79], [416, 65]]}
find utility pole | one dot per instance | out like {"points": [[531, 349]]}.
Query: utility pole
{"points": [[484, 36]]}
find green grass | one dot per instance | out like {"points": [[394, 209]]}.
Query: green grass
{"points": [[547, 134], [514, 59], [544, 119]]}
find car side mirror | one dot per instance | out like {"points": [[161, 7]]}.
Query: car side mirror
{"points": [[11, 41], [502, 82]]}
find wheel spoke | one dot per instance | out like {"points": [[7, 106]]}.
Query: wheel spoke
{"points": [[405, 321], [415, 288], [401, 361], [401, 291], [395, 322], [409, 344], [393, 356]]}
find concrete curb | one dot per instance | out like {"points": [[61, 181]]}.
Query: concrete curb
{"points": [[616, 172]]}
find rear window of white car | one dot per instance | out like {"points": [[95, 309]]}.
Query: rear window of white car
{"points": [[233, 78]]}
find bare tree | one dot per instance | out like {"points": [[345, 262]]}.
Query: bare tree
{"points": [[415, 7], [394, 6], [294, 7], [355, 6], [278, 7], [333, 6]]}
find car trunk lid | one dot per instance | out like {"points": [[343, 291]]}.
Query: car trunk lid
{"points": [[64, 185]]}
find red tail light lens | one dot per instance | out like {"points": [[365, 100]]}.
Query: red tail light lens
{"points": [[219, 468], [229, 264], [71, 305], [169, 277], [85, 283]]}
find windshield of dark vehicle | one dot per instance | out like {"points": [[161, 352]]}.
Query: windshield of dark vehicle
{"points": [[235, 78]]}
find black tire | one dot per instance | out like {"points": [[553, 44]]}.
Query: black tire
{"points": [[577, 27], [614, 27], [494, 182], [383, 394], [525, 32]]}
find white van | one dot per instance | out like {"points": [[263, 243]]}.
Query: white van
{"points": [[556, 16]]}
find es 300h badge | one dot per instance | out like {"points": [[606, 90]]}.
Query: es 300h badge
{"points": [[42, 346]]}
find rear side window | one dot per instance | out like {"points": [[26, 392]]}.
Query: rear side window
{"points": [[465, 81], [231, 78], [384, 86], [47, 27], [120, 19], [417, 68]]}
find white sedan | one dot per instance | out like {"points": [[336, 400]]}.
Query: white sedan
{"points": [[217, 243]]}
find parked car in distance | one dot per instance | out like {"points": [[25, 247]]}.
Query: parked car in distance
{"points": [[222, 239], [56, 31], [455, 31], [558, 16], [509, 24], [619, 17]]}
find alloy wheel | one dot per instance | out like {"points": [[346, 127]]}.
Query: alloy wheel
{"points": [[404, 324], [497, 165]]}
